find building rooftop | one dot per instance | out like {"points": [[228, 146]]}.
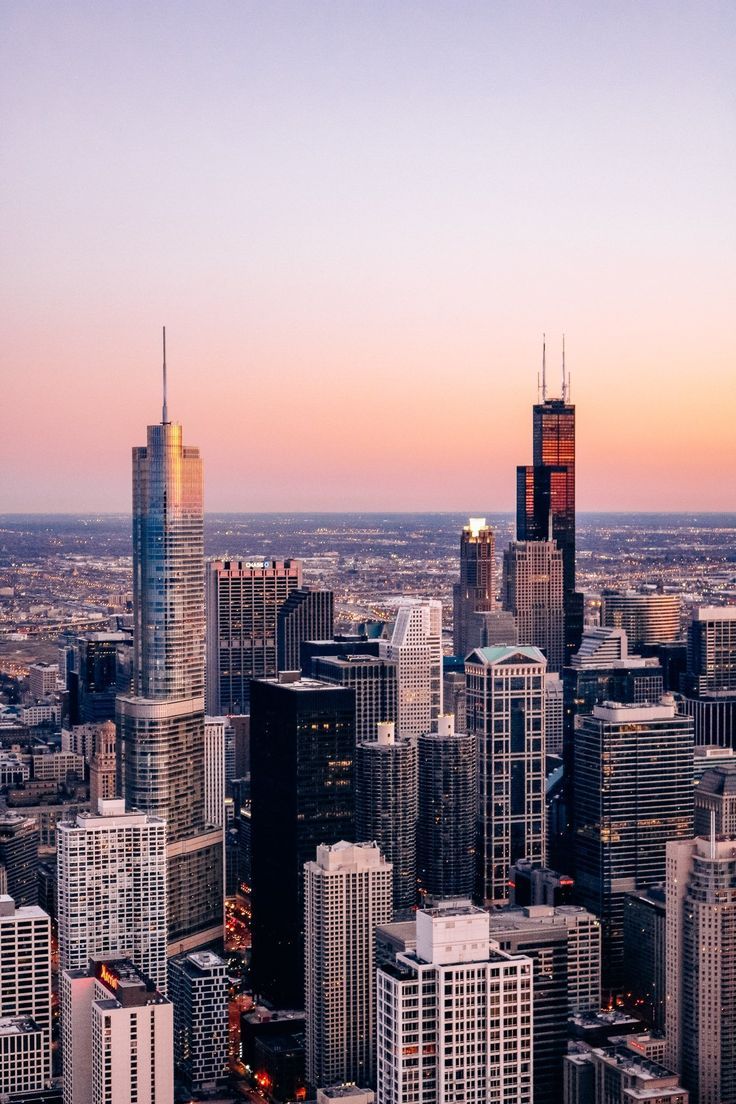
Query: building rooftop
{"points": [[18, 1025], [507, 653]]}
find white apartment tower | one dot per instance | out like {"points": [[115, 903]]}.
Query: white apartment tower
{"points": [[416, 646], [506, 712], [348, 894], [25, 998], [117, 1036], [454, 1016], [701, 966], [112, 889]]}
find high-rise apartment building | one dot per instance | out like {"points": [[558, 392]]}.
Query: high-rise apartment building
{"points": [[374, 682], [347, 895], [198, 989], [386, 806], [25, 998], [545, 496], [302, 750], [447, 825], [476, 591], [506, 714], [647, 617], [701, 967], [307, 614], [112, 889], [161, 724], [19, 839], [533, 592], [416, 646], [43, 679], [633, 793], [117, 1036], [455, 1015], [565, 946], [243, 601]]}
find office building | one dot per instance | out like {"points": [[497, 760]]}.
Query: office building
{"points": [[43, 680], [554, 713], [302, 750], [506, 714], [532, 591], [476, 591], [214, 770], [715, 796], [243, 601], [416, 646], [386, 809], [117, 1036], [350, 1094], [711, 651], [538, 885], [341, 645], [347, 895], [19, 840], [103, 764], [633, 793], [446, 828], [198, 989], [453, 690], [701, 967], [374, 683], [455, 1015], [112, 889], [96, 661], [646, 616], [565, 946], [307, 614], [714, 718], [161, 724], [545, 495], [25, 997], [645, 943], [619, 1074]]}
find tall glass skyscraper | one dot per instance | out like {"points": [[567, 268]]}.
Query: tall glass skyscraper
{"points": [[161, 725]]}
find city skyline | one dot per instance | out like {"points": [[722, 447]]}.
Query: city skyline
{"points": [[357, 222]]}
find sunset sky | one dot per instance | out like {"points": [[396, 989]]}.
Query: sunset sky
{"points": [[356, 219]]}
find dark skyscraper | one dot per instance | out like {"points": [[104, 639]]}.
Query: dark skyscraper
{"points": [[545, 495], [19, 855], [306, 614], [161, 725], [476, 591], [302, 748]]}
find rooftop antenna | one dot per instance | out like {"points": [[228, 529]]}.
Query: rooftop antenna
{"points": [[165, 410], [564, 385], [544, 367]]}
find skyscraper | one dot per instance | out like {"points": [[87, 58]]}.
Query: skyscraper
{"points": [[715, 794], [112, 889], [386, 806], [103, 764], [476, 591], [711, 651], [161, 725], [506, 714], [416, 646], [307, 614], [532, 591], [25, 997], [19, 838], [646, 616], [633, 793], [701, 966], [198, 987], [545, 494], [446, 829], [243, 601], [347, 895], [455, 1015], [302, 749]]}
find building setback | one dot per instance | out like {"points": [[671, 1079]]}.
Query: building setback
{"points": [[307, 614]]}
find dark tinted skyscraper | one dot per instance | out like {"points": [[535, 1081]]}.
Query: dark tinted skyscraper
{"points": [[302, 747], [306, 614], [447, 818], [161, 725], [545, 497], [19, 856]]}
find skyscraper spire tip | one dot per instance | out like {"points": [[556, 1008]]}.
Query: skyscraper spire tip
{"points": [[544, 367], [165, 410]]}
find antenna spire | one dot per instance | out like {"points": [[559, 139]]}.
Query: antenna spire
{"points": [[165, 410], [544, 367], [564, 378]]}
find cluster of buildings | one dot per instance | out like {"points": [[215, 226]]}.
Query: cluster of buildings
{"points": [[506, 875]]}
